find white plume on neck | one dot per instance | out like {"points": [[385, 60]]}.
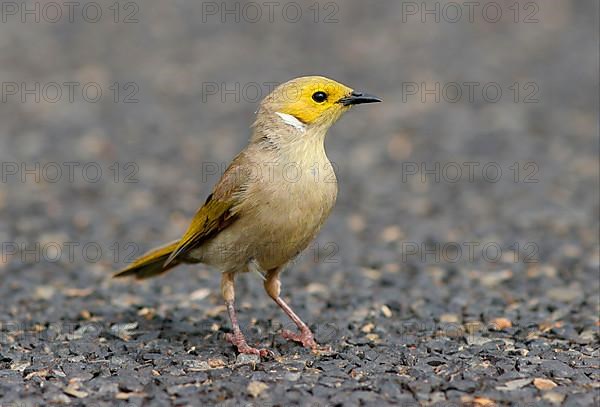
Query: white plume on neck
{"points": [[292, 121]]}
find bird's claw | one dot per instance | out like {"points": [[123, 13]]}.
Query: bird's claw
{"points": [[305, 337], [243, 347]]}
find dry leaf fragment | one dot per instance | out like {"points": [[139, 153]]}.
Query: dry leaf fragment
{"points": [[544, 384], [75, 392], [78, 292], [200, 294], [386, 311], [500, 324], [127, 395], [368, 328], [255, 388], [216, 363], [483, 402]]}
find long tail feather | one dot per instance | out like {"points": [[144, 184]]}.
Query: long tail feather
{"points": [[151, 263]]}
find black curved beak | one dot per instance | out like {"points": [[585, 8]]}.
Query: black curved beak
{"points": [[356, 98]]}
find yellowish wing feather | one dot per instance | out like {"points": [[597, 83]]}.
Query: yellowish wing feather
{"points": [[218, 211], [211, 218]]}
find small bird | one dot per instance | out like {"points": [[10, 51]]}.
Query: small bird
{"points": [[270, 202]]}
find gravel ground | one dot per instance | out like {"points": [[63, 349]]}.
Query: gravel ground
{"points": [[460, 266]]}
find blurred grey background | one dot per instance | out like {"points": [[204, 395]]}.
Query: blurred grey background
{"points": [[180, 82]]}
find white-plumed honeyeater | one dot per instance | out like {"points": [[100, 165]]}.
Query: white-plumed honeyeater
{"points": [[259, 217]]}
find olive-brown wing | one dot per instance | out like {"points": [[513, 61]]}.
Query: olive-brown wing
{"points": [[218, 212]]}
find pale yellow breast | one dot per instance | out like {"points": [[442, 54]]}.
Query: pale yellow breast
{"points": [[289, 209], [281, 212]]}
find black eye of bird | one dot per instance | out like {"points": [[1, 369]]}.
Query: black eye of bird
{"points": [[319, 97]]}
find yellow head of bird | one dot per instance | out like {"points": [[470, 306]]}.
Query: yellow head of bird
{"points": [[313, 101]]}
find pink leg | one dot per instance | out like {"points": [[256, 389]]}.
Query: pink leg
{"points": [[237, 337], [305, 336]]}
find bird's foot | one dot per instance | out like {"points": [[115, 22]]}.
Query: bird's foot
{"points": [[240, 343], [305, 337]]}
